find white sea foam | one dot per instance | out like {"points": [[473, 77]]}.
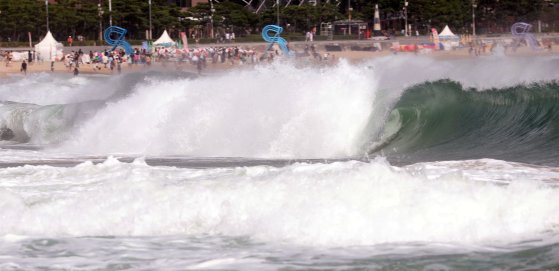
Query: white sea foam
{"points": [[338, 204], [275, 111]]}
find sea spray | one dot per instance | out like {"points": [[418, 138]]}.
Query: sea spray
{"points": [[338, 204], [276, 111]]}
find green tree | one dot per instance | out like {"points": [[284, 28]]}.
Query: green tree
{"points": [[235, 14], [302, 18], [19, 17], [499, 15], [201, 13], [80, 17]]}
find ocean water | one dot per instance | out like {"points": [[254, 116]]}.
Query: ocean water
{"points": [[399, 163]]}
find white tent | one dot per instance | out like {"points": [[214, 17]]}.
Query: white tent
{"points": [[448, 39], [49, 49], [164, 40], [446, 33]]}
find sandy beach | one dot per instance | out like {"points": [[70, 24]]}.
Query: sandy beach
{"points": [[14, 67]]}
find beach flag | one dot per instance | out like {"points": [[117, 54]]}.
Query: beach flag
{"points": [[436, 40], [376, 27], [184, 41]]}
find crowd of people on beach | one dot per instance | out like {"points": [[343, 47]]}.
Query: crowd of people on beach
{"points": [[113, 60], [9, 56], [199, 58]]}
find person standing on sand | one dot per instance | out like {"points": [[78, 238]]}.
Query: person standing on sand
{"points": [[199, 65], [8, 58], [29, 57], [24, 67], [111, 62], [70, 40]]}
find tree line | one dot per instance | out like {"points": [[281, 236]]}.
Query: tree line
{"points": [[87, 18]]}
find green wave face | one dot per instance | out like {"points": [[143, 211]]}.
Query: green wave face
{"points": [[442, 121]]}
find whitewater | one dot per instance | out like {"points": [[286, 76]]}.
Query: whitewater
{"points": [[400, 162]]}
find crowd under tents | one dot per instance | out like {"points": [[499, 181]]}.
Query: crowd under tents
{"points": [[48, 49]]}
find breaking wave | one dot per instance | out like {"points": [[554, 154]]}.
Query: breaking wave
{"points": [[409, 108]]}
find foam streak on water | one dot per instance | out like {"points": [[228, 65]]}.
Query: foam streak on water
{"points": [[318, 206], [311, 204]]}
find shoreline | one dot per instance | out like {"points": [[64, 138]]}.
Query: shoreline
{"points": [[13, 68]]}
